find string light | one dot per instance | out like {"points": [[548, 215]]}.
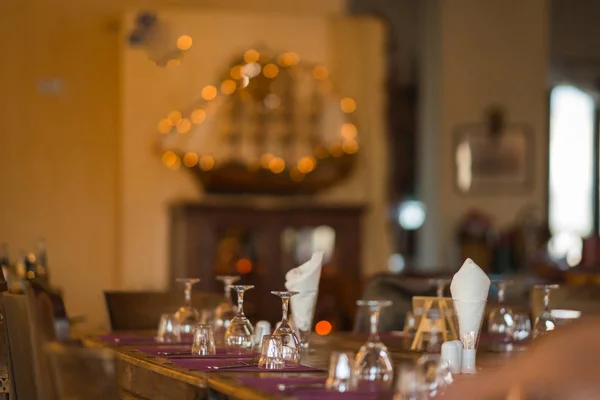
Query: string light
{"points": [[207, 163], [175, 117], [209, 92], [288, 59], [306, 164], [348, 131], [277, 165], [171, 160], [237, 72], [251, 56], [184, 126], [198, 116], [174, 62], [228, 86], [348, 105], [350, 146], [336, 149], [190, 159], [323, 328], [184, 42], [165, 125], [320, 72], [265, 159], [270, 71]]}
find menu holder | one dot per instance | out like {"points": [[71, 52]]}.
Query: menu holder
{"points": [[423, 308]]}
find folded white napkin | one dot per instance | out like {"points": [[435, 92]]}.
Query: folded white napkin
{"points": [[469, 288], [305, 280]]}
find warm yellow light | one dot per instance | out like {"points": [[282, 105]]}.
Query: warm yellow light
{"points": [[348, 131], [277, 165], [207, 163], [288, 59], [336, 149], [184, 42], [350, 146], [237, 72], [306, 164], [265, 159], [198, 116], [174, 62], [348, 105], [320, 72], [228, 86], [296, 175], [171, 160], [251, 56], [165, 125], [174, 117], [270, 71], [323, 328], [209, 92], [190, 159], [184, 126]]}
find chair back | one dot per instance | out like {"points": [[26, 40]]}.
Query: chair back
{"points": [[20, 353], [82, 373], [142, 310]]}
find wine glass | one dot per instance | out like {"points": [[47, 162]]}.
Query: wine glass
{"points": [[441, 286], [434, 374], [501, 321], [289, 339], [225, 311], [187, 316], [239, 336], [373, 366], [544, 322]]}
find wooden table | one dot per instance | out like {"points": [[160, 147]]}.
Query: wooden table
{"points": [[152, 378]]}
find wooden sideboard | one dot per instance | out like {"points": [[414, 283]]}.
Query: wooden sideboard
{"points": [[261, 241]]}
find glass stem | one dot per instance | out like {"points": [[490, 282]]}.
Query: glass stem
{"points": [[188, 295], [501, 290], [228, 294], [240, 302], [440, 290], [547, 300], [374, 320], [285, 303]]}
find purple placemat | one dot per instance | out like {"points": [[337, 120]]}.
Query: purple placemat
{"points": [[155, 352], [269, 385], [202, 364], [129, 339]]}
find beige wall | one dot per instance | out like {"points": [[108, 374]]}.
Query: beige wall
{"points": [[479, 53], [351, 48], [59, 153]]}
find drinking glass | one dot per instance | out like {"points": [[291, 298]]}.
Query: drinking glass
{"points": [[187, 316], [501, 319], [168, 329], [204, 340], [239, 336], [522, 328], [373, 366], [441, 285], [408, 384], [544, 322], [271, 353], [289, 339], [340, 377], [434, 375], [226, 310]]}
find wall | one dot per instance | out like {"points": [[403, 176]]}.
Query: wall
{"points": [[480, 53], [353, 51], [59, 153]]}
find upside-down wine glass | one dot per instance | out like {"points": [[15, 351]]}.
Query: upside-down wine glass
{"points": [[226, 310], [187, 316], [239, 336], [289, 340], [373, 365], [501, 321], [544, 322], [440, 286]]}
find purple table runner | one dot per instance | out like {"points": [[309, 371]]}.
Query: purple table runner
{"points": [[269, 385], [221, 353], [130, 339], [202, 364]]}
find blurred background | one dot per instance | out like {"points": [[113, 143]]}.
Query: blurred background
{"points": [[150, 140]]}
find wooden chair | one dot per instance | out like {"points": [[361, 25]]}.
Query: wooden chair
{"points": [[142, 310], [82, 373]]}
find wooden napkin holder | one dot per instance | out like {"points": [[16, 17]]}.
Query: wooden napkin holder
{"points": [[446, 326]]}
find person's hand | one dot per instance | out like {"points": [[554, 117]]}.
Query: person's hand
{"points": [[565, 362]]}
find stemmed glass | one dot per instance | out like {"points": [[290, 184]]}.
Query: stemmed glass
{"points": [[441, 285], [187, 316], [373, 366], [225, 311], [239, 336], [289, 340], [501, 321], [544, 322]]}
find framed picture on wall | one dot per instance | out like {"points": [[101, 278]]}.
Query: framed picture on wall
{"points": [[493, 160]]}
